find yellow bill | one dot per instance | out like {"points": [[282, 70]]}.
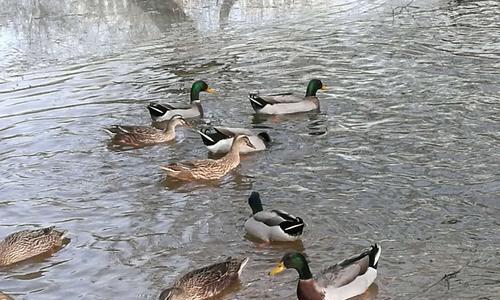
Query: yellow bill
{"points": [[210, 90], [278, 269], [324, 87]]}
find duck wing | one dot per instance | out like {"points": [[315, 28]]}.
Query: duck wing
{"points": [[349, 269], [189, 165], [140, 130], [211, 280], [278, 98], [158, 110], [213, 137], [270, 218]]}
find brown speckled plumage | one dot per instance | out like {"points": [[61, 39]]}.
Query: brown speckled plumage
{"points": [[140, 136], [206, 282], [25, 244], [209, 169]]}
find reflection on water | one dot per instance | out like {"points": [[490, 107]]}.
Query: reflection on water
{"points": [[405, 150]]}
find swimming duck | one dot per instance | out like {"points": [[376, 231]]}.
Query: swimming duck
{"points": [[209, 169], [220, 139], [274, 225], [25, 244], [346, 279], [206, 282], [140, 136], [163, 112], [287, 103]]}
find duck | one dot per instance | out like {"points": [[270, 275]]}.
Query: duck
{"points": [[163, 112], [288, 103], [140, 136], [209, 169], [346, 279], [274, 225], [26, 244], [206, 282], [219, 139]]}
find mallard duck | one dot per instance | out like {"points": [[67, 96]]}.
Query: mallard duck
{"points": [[206, 282], [274, 225], [163, 112], [25, 244], [287, 103], [209, 169], [344, 280], [140, 136], [220, 139]]}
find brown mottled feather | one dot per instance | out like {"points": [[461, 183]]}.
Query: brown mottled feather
{"points": [[206, 282], [140, 136], [209, 169], [25, 244]]}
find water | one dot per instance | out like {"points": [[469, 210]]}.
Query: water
{"points": [[405, 151]]}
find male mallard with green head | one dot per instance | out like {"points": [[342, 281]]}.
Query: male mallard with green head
{"points": [[288, 103], [206, 282], [140, 136], [26, 244], [346, 279], [274, 225], [163, 112], [209, 169]]}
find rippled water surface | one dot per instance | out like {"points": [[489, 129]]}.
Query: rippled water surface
{"points": [[405, 151]]}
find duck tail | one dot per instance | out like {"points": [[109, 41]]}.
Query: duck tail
{"points": [[374, 255], [265, 137], [243, 263], [257, 102], [293, 227], [157, 110], [206, 138], [115, 129]]}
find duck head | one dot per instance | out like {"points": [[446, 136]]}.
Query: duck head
{"points": [[241, 140], [313, 86], [293, 260], [198, 87]]}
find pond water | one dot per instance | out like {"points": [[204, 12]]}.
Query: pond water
{"points": [[405, 151]]}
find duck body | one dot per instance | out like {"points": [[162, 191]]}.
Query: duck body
{"points": [[163, 112], [206, 282], [26, 244], [209, 169], [274, 225], [269, 105], [140, 136], [287, 103], [221, 138], [346, 279]]}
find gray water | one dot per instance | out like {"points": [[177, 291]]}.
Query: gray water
{"points": [[405, 151]]}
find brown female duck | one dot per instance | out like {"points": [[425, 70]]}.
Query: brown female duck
{"points": [[25, 244], [140, 136], [209, 169], [206, 282]]}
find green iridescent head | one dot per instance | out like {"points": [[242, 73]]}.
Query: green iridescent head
{"points": [[313, 86], [293, 260], [198, 87]]}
